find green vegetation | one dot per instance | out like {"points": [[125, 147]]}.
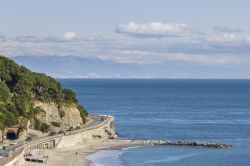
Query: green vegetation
{"points": [[20, 87], [83, 112], [55, 124], [40, 126], [61, 113]]}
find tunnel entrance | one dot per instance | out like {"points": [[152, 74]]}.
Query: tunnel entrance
{"points": [[11, 135]]}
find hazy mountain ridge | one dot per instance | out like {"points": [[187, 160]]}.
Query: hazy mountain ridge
{"points": [[87, 67], [75, 67]]}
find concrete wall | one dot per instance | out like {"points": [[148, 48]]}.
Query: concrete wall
{"points": [[18, 161], [104, 131]]}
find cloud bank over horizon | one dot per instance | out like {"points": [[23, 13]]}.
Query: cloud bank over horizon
{"points": [[69, 35], [153, 29], [140, 44]]}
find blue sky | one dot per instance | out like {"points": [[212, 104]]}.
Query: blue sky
{"points": [[204, 34]]}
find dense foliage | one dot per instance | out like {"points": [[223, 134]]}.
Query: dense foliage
{"points": [[83, 113], [20, 87]]}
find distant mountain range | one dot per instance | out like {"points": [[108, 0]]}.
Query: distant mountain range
{"points": [[83, 67], [77, 67]]}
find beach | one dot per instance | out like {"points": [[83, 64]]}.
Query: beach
{"points": [[77, 155]]}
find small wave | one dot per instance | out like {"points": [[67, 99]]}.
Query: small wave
{"points": [[131, 147], [106, 158], [168, 159]]}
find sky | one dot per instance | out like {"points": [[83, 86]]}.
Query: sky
{"points": [[212, 36]]}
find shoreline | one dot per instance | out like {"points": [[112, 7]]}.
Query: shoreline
{"points": [[67, 156], [77, 155]]}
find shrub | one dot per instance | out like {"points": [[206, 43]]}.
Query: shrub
{"points": [[69, 95], [4, 93], [83, 113], [55, 124], [43, 127], [61, 113]]}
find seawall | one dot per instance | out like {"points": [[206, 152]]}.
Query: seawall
{"points": [[102, 131]]}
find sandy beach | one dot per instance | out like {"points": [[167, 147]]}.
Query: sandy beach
{"points": [[67, 156]]}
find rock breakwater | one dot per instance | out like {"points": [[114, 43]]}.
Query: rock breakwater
{"points": [[182, 143]]}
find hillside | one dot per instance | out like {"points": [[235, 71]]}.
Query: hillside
{"points": [[27, 95]]}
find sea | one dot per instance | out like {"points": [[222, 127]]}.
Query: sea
{"points": [[171, 109]]}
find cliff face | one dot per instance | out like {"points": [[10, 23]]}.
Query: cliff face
{"points": [[52, 115]]}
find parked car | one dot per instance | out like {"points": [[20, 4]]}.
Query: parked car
{"points": [[13, 143], [29, 138], [61, 132], [52, 133], [71, 128]]}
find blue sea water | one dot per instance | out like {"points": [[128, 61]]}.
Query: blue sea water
{"points": [[205, 110]]}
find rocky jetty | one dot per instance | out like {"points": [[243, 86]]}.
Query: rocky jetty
{"points": [[182, 143]]}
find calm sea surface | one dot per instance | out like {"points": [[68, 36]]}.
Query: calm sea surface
{"points": [[206, 110]]}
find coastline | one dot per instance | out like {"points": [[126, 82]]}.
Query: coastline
{"points": [[77, 155], [67, 156]]}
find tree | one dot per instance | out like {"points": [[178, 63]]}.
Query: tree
{"points": [[83, 112], [69, 95], [5, 94], [8, 68]]}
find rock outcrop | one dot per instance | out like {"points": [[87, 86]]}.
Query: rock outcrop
{"points": [[72, 117], [52, 114]]}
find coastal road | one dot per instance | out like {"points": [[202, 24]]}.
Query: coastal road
{"points": [[95, 120]]}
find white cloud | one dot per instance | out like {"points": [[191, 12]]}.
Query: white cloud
{"points": [[204, 59], [2, 38], [222, 49], [37, 39], [227, 29], [153, 29], [144, 57], [69, 35], [248, 40], [229, 44], [227, 37]]}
